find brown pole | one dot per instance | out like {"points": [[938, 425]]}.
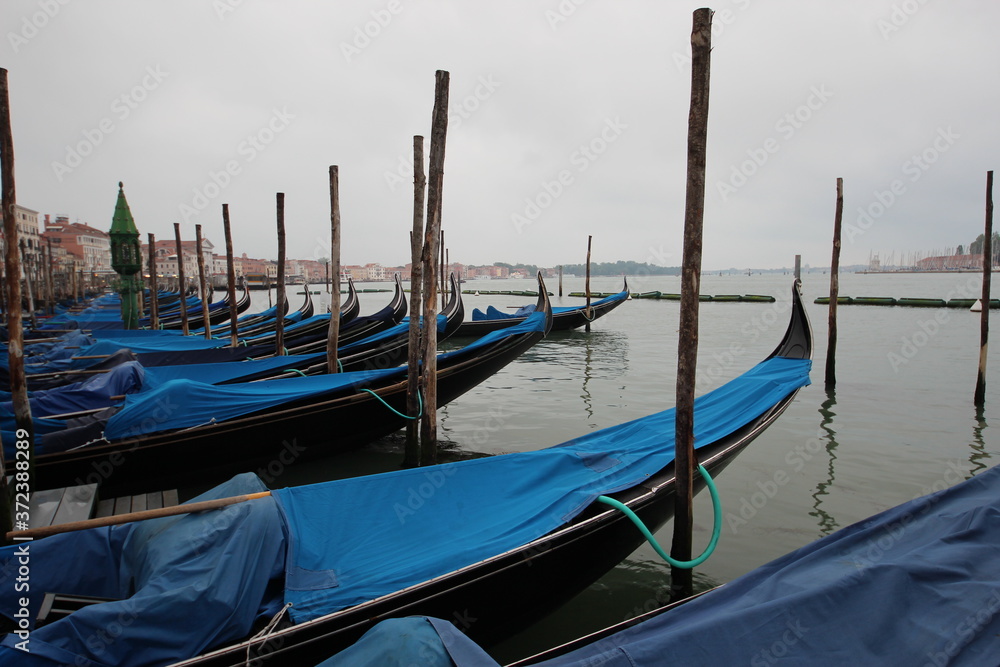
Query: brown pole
{"points": [[831, 348], [984, 319], [435, 184], [333, 333], [203, 285], [234, 338], [29, 286], [279, 297], [798, 268], [681, 580], [50, 292], [119, 519], [180, 278], [441, 270], [154, 305], [587, 285], [25, 434], [411, 454], [560, 280]]}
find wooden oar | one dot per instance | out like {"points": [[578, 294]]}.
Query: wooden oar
{"points": [[118, 519]]}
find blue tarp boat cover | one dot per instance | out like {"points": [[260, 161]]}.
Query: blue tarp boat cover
{"points": [[456, 514], [495, 314], [914, 585], [182, 585], [194, 403], [200, 580]]}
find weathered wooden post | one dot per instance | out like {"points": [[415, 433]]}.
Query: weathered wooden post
{"points": [[984, 317], [28, 285], [333, 333], [681, 580], [180, 278], [831, 348], [50, 290], [203, 285], [234, 336], [25, 432], [435, 183], [411, 454], [587, 286], [279, 297], [560, 280], [154, 304], [798, 268]]}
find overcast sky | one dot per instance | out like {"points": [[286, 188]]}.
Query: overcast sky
{"points": [[567, 118]]}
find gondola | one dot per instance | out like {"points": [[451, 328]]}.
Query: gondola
{"points": [[493, 543], [218, 312], [563, 318], [159, 445], [915, 573]]}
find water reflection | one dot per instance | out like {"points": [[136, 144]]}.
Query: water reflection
{"points": [[978, 445], [827, 524]]}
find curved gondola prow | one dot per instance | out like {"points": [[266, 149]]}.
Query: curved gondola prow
{"points": [[352, 306], [399, 303], [544, 304], [797, 341], [455, 308]]}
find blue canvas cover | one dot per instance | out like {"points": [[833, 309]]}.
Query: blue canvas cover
{"points": [[94, 392], [407, 642], [182, 585], [914, 585], [193, 403], [455, 514]]}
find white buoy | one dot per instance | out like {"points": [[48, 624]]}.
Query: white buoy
{"points": [[477, 292], [977, 307]]}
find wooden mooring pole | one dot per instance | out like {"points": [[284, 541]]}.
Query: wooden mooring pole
{"points": [[984, 319], [798, 268], [333, 333], [154, 305], [182, 283], [25, 432], [279, 297], [26, 266], [560, 280], [681, 579], [227, 230], [587, 286], [411, 454], [429, 256], [203, 287], [831, 347]]}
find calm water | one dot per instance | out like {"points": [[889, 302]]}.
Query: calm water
{"points": [[900, 423]]}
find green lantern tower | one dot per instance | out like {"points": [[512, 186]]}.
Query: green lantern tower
{"points": [[126, 260]]}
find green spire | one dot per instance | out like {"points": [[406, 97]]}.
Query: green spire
{"points": [[122, 222]]}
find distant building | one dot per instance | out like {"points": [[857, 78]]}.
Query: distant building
{"points": [[90, 247], [951, 262]]}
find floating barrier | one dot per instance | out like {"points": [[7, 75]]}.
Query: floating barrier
{"points": [[726, 297], [760, 298], [646, 295], [913, 302], [840, 300], [921, 303], [874, 301]]}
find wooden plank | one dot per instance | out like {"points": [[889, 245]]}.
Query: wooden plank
{"points": [[105, 507], [77, 504], [123, 505], [43, 505], [154, 500], [139, 502], [170, 498]]}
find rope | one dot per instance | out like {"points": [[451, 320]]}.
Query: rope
{"points": [[294, 370], [266, 630], [420, 405], [716, 529]]}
